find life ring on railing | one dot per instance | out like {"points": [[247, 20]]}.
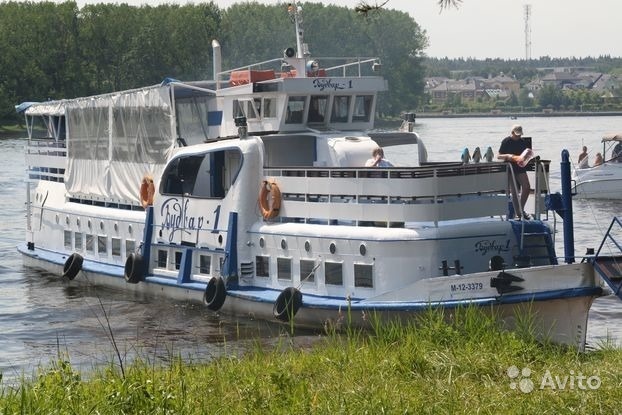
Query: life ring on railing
{"points": [[147, 190], [134, 266], [73, 265], [215, 294], [287, 304], [269, 199]]}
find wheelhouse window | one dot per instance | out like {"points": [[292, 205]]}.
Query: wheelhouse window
{"points": [[269, 108], [295, 110], [317, 109], [208, 175], [341, 106], [249, 108], [362, 107]]}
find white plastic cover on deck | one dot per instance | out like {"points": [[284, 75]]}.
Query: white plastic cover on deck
{"points": [[114, 140]]}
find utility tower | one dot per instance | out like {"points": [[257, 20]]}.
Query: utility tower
{"points": [[527, 31]]}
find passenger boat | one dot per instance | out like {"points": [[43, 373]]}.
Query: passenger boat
{"points": [[603, 181], [249, 193]]}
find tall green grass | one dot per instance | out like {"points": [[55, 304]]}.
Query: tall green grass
{"points": [[444, 362]]}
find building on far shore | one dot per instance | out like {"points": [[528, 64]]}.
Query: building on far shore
{"points": [[442, 90]]}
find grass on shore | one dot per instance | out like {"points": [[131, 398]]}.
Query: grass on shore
{"points": [[435, 365]]}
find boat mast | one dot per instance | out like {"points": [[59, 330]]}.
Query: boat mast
{"points": [[295, 13]]}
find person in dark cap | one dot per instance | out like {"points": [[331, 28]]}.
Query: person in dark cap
{"points": [[510, 150]]}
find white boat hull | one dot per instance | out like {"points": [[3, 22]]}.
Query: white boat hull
{"points": [[600, 182], [553, 314]]}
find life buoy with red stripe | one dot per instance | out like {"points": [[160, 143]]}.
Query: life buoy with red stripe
{"points": [[147, 190], [269, 199]]}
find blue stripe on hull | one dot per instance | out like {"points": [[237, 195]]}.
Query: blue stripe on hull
{"points": [[267, 295]]}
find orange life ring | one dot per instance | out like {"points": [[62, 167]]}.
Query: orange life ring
{"points": [[147, 190], [269, 199]]}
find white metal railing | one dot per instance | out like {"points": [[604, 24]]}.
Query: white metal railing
{"points": [[346, 62], [46, 159], [422, 194]]}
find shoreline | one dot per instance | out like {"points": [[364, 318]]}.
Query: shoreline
{"points": [[522, 114]]}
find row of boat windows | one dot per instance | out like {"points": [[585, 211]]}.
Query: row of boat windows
{"points": [[97, 244], [314, 109], [333, 271]]}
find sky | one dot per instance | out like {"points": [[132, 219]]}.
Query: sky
{"points": [[496, 28]]}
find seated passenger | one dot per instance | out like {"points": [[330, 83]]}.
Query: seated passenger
{"points": [[598, 160]]}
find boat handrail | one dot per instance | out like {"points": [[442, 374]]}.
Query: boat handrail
{"points": [[276, 62], [408, 194]]}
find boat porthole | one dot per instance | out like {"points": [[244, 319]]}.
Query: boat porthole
{"points": [[363, 249], [67, 220], [262, 242], [160, 233], [116, 227], [307, 246], [89, 224], [219, 239], [283, 244], [332, 248], [78, 222], [129, 229], [101, 225], [57, 220]]}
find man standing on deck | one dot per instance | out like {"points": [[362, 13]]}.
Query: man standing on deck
{"points": [[510, 150]]}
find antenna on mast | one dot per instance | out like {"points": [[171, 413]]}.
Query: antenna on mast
{"points": [[295, 13], [527, 31]]}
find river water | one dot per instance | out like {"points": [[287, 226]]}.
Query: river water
{"points": [[43, 317]]}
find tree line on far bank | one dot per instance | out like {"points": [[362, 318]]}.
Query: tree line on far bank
{"points": [[57, 50]]}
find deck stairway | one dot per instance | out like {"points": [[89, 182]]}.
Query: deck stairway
{"points": [[536, 242], [609, 267]]}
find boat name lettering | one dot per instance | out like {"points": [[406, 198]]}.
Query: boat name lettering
{"points": [[175, 218], [485, 246], [323, 84], [466, 286]]}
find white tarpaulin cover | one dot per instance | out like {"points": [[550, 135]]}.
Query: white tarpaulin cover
{"points": [[114, 140]]}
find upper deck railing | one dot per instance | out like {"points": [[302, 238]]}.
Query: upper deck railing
{"points": [[46, 159], [338, 66], [362, 195]]}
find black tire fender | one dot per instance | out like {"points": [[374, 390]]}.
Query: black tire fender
{"points": [[215, 294], [73, 265], [287, 304], [134, 266]]}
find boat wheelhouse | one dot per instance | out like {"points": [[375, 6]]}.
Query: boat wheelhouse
{"points": [[250, 193]]}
